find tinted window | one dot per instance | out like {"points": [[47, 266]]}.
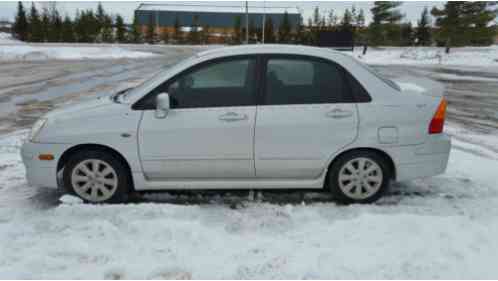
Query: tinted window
{"points": [[305, 81], [359, 93], [215, 84]]}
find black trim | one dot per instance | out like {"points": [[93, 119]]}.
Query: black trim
{"points": [[142, 104]]}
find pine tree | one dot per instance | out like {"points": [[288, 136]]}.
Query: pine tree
{"points": [[317, 18], [67, 31], [150, 34], [237, 30], [332, 19], [360, 19], [451, 24], [479, 15], [120, 29], [177, 32], [35, 27], [106, 31], [284, 30], [383, 27], [406, 34], [423, 33], [347, 19], [45, 24], [135, 34], [55, 25], [101, 17], [21, 29]]}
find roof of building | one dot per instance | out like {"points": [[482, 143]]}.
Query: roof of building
{"points": [[217, 9]]}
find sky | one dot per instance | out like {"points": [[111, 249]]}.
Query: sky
{"points": [[411, 9]]}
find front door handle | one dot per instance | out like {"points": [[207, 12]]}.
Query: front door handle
{"points": [[338, 113], [232, 116]]}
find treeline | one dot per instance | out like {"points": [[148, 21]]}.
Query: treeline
{"points": [[463, 23], [456, 24], [88, 26]]}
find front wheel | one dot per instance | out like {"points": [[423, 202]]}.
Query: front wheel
{"points": [[359, 177], [97, 177]]}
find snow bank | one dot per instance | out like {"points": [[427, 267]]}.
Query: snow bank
{"points": [[33, 53], [466, 56], [438, 228], [6, 38]]}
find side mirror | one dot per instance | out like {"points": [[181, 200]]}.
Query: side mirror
{"points": [[162, 105]]}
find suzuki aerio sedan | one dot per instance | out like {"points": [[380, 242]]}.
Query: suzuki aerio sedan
{"points": [[246, 117]]}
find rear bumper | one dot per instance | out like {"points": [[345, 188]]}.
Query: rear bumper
{"points": [[41, 173], [425, 160]]}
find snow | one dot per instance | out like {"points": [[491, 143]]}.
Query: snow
{"points": [[40, 52], [464, 56], [440, 227], [6, 38]]}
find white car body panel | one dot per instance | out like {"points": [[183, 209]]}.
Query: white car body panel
{"points": [[284, 146]]}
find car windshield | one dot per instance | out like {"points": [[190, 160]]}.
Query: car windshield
{"points": [[378, 75], [139, 90]]}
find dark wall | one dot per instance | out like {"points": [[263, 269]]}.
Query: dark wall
{"points": [[220, 20]]}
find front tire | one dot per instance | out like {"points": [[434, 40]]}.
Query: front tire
{"points": [[97, 177], [359, 177]]}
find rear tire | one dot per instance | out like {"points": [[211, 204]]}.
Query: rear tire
{"points": [[360, 176], [97, 177]]}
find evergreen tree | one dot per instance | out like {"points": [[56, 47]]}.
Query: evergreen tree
{"points": [[45, 24], [347, 19], [237, 30], [479, 15], [86, 26], [177, 33], [120, 29], [135, 34], [423, 33], [150, 34], [406, 34], [21, 29], [451, 24], [55, 26], [317, 18], [101, 17], [332, 19], [383, 27], [360, 19], [106, 30], [67, 31], [35, 26], [284, 30]]}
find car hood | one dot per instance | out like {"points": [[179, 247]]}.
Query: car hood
{"points": [[74, 110]]}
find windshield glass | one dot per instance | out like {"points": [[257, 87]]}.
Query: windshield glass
{"points": [[378, 75], [139, 90]]}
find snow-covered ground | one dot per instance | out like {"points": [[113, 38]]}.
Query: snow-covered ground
{"points": [[466, 56], [36, 53], [6, 38], [441, 227]]}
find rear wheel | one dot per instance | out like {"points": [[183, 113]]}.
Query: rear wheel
{"points": [[97, 177], [359, 177]]}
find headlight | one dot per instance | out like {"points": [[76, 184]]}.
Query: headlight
{"points": [[36, 129]]}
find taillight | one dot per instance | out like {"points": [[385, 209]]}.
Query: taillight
{"points": [[437, 122]]}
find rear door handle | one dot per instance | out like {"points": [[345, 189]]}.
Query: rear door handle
{"points": [[338, 113], [232, 116]]}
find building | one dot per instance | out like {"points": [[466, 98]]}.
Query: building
{"points": [[219, 19]]}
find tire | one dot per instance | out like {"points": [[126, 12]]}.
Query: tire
{"points": [[111, 184], [349, 183]]}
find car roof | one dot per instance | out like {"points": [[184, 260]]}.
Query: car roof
{"points": [[269, 49]]}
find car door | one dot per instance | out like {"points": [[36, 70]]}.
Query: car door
{"points": [[209, 131], [306, 113]]}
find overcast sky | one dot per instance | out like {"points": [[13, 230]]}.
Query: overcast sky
{"points": [[412, 9]]}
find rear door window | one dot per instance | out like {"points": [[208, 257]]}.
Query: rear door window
{"points": [[303, 80]]}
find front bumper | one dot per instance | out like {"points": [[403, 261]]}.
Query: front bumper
{"points": [[425, 160], [41, 173]]}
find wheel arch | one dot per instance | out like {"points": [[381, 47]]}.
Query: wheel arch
{"points": [[381, 153], [66, 155]]}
